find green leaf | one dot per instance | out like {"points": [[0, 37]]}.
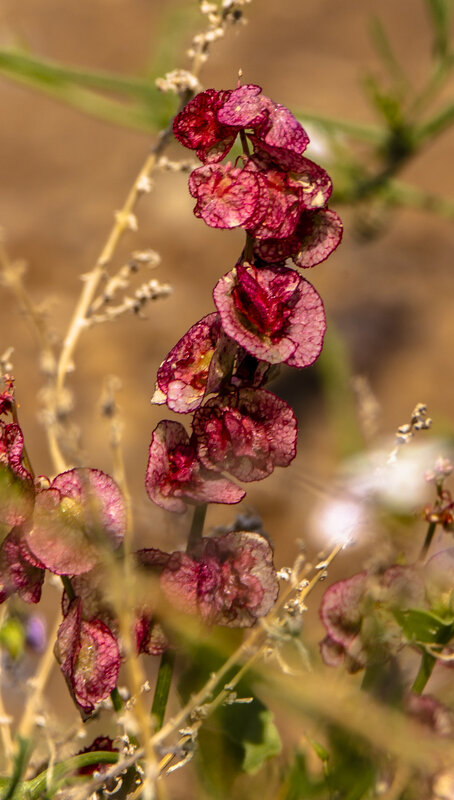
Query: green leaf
{"points": [[260, 739], [386, 53], [144, 108], [237, 738], [440, 12], [301, 784], [421, 626]]}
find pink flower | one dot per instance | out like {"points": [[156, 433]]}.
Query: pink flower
{"points": [[182, 378], [246, 433], [275, 129], [316, 235], [273, 313], [81, 513], [227, 196], [175, 475], [229, 580], [89, 657]]}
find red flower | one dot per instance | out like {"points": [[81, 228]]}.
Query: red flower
{"points": [[275, 129], [198, 128], [247, 433], [175, 475], [273, 313]]}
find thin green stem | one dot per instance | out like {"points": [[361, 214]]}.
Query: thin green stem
{"points": [[20, 765], [425, 671], [427, 541], [198, 521], [428, 661], [34, 788], [68, 587], [161, 692]]}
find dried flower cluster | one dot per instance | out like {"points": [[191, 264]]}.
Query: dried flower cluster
{"points": [[266, 314]]}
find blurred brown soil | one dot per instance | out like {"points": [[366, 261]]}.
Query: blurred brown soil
{"points": [[63, 174]]}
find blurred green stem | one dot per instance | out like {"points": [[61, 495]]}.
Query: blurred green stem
{"points": [[198, 521], [163, 683]]}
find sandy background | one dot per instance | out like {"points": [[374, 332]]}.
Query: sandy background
{"points": [[63, 174]]}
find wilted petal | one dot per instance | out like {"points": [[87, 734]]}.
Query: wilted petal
{"points": [[281, 136], [230, 580], [198, 128], [81, 513], [245, 107], [89, 658], [182, 377], [341, 609], [273, 313], [17, 574], [278, 209], [226, 195], [175, 475], [150, 637], [317, 234], [247, 433], [16, 483]]}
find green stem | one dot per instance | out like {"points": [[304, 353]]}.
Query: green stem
{"points": [[117, 702], [68, 587], [428, 661], [424, 673], [161, 692], [33, 789], [198, 521], [20, 765], [427, 541], [357, 130]]}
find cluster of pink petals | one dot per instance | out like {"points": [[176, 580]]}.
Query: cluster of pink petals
{"points": [[79, 515], [277, 194], [229, 580], [175, 476], [246, 433]]}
